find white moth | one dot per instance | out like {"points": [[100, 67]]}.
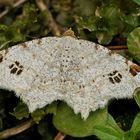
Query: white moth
{"points": [[83, 74]]}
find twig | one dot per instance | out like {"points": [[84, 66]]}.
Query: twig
{"points": [[60, 136], [51, 22], [4, 12], [16, 130], [6, 2], [13, 6], [122, 47], [118, 49], [18, 3]]}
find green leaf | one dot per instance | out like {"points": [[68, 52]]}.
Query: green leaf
{"points": [[129, 135], [20, 111], [112, 123], [110, 12], [66, 121], [136, 124], [38, 114], [3, 27], [131, 20], [104, 38], [137, 96], [135, 129], [5, 45], [109, 131], [51, 108], [86, 8], [137, 1], [133, 43]]}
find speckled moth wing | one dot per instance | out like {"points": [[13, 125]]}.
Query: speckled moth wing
{"points": [[83, 74]]}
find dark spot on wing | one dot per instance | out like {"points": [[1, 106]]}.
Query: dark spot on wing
{"points": [[83, 86], [34, 55], [114, 72], [24, 45], [132, 71], [110, 74], [14, 70], [39, 41], [96, 46], [119, 75], [11, 66], [19, 72], [17, 63], [110, 52], [111, 80], [117, 79], [126, 61], [21, 66]]}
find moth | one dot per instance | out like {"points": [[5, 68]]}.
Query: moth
{"points": [[81, 73]]}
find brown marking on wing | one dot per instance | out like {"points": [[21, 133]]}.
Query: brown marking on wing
{"points": [[24, 45], [110, 52], [117, 79], [111, 80], [19, 72], [134, 69], [96, 46], [14, 70], [11, 66]]}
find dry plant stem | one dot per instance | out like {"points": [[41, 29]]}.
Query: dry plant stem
{"points": [[18, 3], [4, 12], [122, 47], [16, 130], [6, 2], [13, 6], [118, 49], [60, 136], [51, 22]]}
